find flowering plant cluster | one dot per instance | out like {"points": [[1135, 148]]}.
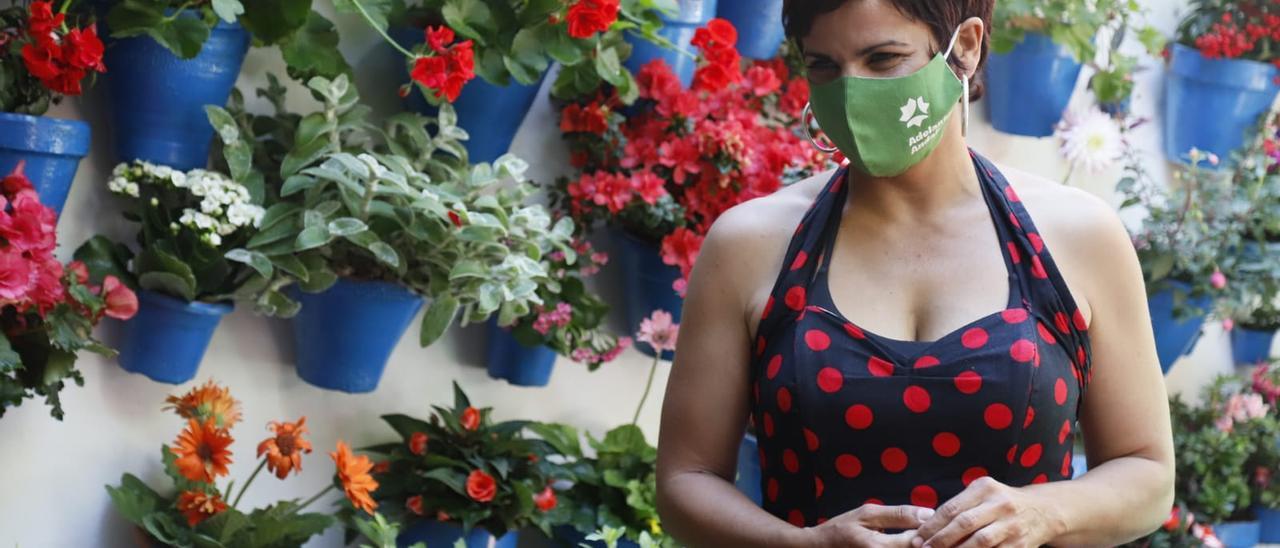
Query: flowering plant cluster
{"points": [[188, 222], [462, 467], [666, 172], [1233, 29], [47, 312], [1182, 529], [201, 512], [43, 56]]}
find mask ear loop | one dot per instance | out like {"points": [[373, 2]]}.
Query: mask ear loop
{"points": [[964, 81], [808, 131]]}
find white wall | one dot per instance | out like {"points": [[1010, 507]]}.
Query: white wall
{"points": [[52, 473]]}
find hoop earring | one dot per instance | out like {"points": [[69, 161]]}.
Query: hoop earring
{"points": [[808, 132], [964, 112]]}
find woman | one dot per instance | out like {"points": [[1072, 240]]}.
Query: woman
{"points": [[839, 315]]}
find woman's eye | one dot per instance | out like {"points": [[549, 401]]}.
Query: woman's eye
{"points": [[819, 65], [884, 58]]}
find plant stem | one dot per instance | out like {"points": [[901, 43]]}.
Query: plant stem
{"points": [[648, 385], [244, 488], [1070, 171], [178, 12], [382, 32], [308, 502]]}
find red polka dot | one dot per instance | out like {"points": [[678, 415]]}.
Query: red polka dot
{"points": [[1078, 319], [858, 417], [784, 399], [760, 343], [772, 490], [768, 425], [1031, 416], [1023, 350], [998, 416], [1013, 217], [880, 367], [1014, 255], [768, 307], [1066, 466], [818, 487], [924, 496], [1012, 451], [1060, 391], [1045, 334], [873, 502], [1031, 455], [969, 382], [1037, 268], [790, 461], [848, 466], [854, 331], [821, 521], [810, 440], [817, 340], [796, 518], [775, 365], [1009, 193], [1036, 242], [799, 261], [764, 463], [795, 298], [1014, 315], [1040, 479], [894, 460], [917, 399], [926, 362], [946, 444], [1060, 321], [971, 475], [974, 338], [1080, 358], [830, 380], [1064, 431]]}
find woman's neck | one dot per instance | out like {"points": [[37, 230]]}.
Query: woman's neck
{"points": [[943, 179]]}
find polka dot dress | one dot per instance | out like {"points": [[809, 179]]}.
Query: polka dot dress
{"points": [[846, 417]]}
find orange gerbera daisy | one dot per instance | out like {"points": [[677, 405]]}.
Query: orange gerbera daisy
{"points": [[198, 506], [202, 451], [205, 402], [284, 450], [353, 472]]}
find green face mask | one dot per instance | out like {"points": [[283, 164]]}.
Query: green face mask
{"points": [[887, 125]]}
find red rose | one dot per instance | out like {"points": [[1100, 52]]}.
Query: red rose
{"points": [[480, 486], [414, 504], [439, 37], [83, 49], [546, 500], [587, 17], [418, 443], [470, 419]]}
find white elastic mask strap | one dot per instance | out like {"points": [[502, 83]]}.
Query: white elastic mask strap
{"points": [[952, 45]]}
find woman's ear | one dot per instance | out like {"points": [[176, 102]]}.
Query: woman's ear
{"points": [[969, 39]]}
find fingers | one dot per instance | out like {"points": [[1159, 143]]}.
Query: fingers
{"points": [[892, 517], [973, 496], [999, 534], [900, 540], [969, 523]]}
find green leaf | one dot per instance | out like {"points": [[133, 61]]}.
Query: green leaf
{"points": [[469, 18], [312, 238], [562, 47], [254, 259], [228, 10], [377, 10], [313, 50], [271, 21], [58, 365], [104, 257], [184, 34], [297, 183], [385, 253], [609, 67], [346, 226], [293, 265], [303, 156], [169, 284], [405, 425], [439, 316], [9, 359], [160, 271], [133, 499], [562, 437]]}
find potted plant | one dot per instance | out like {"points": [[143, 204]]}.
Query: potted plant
{"points": [[49, 310], [759, 24], [1038, 49], [367, 223], [461, 477], [1265, 381], [44, 56], [1222, 75], [196, 511], [652, 177], [1180, 530], [567, 323], [157, 43], [677, 22]]}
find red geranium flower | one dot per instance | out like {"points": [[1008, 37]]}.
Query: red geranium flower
{"points": [[447, 68], [414, 504], [481, 487], [438, 38], [418, 443], [470, 419], [42, 22], [587, 17], [546, 500], [83, 49]]}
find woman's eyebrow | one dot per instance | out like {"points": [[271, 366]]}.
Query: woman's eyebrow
{"points": [[867, 50]]}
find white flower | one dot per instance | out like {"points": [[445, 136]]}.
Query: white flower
{"points": [[162, 172], [117, 185], [178, 178], [226, 229], [120, 170], [188, 217], [155, 202], [210, 205], [132, 189], [242, 214], [212, 239], [1090, 139], [204, 222]]}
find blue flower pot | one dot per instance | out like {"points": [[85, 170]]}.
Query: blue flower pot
{"points": [[1238, 534], [491, 114], [435, 533], [1268, 524], [679, 29], [516, 363], [647, 281], [157, 100], [1250, 346], [1211, 104], [1175, 337], [759, 24], [345, 335], [167, 339], [575, 538], [52, 149], [1029, 87], [748, 480]]}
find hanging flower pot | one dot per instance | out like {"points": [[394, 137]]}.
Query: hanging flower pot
{"points": [[1238, 534], [1211, 104], [491, 114], [51, 149], [158, 100], [1029, 87], [1175, 337], [679, 29], [1250, 345], [748, 480], [167, 340], [648, 285], [759, 24], [516, 363], [1268, 524], [436, 533], [344, 335]]}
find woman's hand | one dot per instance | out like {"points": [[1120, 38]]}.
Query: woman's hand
{"points": [[862, 527], [989, 513]]}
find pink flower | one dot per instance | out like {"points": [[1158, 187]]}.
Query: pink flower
{"points": [[583, 355], [763, 81], [1218, 280], [31, 226], [1224, 423], [659, 331], [612, 354], [48, 290], [16, 276], [81, 271], [1228, 324], [122, 303]]}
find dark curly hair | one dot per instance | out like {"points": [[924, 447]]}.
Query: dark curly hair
{"points": [[942, 17]]}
